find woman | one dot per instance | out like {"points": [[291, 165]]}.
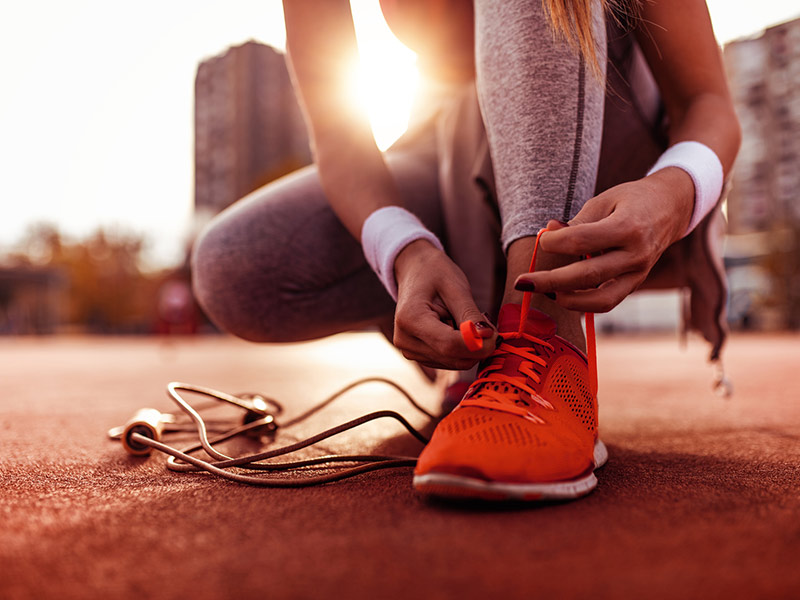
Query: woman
{"points": [[285, 263]]}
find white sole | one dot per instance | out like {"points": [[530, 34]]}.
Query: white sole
{"points": [[457, 486]]}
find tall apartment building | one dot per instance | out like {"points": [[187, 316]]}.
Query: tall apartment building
{"points": [[248, 126], [765, 81], [764, 203]]}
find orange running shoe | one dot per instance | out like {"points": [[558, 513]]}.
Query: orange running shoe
{"points": [[526, 429]]}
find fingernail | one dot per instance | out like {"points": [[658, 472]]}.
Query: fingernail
{"points": [[550, 295], [523, 285], [483, 325]]}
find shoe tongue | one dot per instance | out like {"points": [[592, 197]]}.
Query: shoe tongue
{"points": [[537, 324]]}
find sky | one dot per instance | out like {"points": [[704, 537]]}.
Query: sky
{"points": [[96, 103]]}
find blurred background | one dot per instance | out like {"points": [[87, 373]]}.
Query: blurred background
{"points": [[124, 128]]}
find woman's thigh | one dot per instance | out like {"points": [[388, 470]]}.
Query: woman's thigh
{"points": [[279, 266]]}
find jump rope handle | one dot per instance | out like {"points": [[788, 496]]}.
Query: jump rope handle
{"points": [[148, 422]]}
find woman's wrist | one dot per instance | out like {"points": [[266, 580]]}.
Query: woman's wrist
{"points": [[385, 234], [704, 168], [675, 189], [412, 257]]}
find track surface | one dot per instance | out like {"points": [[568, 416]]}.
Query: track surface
{"points": [[700, 497]]}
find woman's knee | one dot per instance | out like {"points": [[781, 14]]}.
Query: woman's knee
{"points": [[233, 287]]}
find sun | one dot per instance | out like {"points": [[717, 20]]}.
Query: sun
{"points": [[386, 78]]}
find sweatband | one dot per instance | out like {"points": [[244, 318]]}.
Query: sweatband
{"points": [[703, 166], [384, 235]]}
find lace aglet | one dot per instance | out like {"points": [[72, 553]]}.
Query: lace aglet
{"points": [[533, 418], [722, 386]]}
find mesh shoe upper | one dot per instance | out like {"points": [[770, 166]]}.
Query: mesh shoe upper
{"points": [[530, 416]]}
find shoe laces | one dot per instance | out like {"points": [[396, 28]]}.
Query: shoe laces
{"points": [[484, 390], [495, 374]]}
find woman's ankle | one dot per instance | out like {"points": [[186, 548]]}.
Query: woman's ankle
{"points": [[518, 261]]}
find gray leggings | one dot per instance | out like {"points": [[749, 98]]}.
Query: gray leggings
{"points": [[278, 265]]}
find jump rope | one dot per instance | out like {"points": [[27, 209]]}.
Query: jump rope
{"points": [[144, 432]]}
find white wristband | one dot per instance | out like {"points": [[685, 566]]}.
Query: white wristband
{"points": [[384, 234], [704, 167]]}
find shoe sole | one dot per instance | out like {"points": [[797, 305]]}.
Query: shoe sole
{"points": [[456, 486]]}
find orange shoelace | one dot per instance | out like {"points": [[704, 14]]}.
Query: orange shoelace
{"points": [[490, 380]]}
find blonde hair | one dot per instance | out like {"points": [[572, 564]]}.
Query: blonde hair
{"points": [[574, 20]]}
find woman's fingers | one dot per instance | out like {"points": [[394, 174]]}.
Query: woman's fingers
{"points": [[450, 355], [602, 299], [430, 341], [585, 239], [434, 299], [593, 229], [585, 274], [460, 304]]}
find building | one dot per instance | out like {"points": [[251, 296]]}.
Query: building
{"points": [[764, 73], [763, 208], [248, 127]]}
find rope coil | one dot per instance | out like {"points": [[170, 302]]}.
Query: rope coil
{"points": [[141, 435]]}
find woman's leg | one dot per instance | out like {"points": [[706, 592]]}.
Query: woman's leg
{"points": [[543, 110], [278, 265]]}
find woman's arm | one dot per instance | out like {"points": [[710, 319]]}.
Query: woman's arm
{"points": [[677, 39], [322, 50], [633, 223], [323, 55]]}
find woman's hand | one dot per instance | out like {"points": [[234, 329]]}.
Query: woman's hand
{"points": [[434, 297], [627, 228], [624, 230]]}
